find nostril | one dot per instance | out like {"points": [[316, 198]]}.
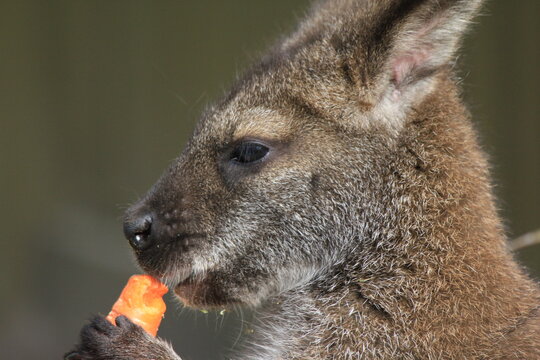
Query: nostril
{"points": [[140, 241], [138, 232]]}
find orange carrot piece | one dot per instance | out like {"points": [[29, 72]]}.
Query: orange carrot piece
{"points": [[142, 302]]}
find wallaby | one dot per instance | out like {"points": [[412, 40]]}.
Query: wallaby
{"points": [[339, 189]]}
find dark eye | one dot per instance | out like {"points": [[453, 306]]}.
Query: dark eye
{"points": [[248, 152]]}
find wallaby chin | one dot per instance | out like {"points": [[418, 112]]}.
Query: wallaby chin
{"points": [[340, 190]]}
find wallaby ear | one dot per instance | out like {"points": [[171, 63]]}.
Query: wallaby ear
{"points": [[424, 36], [390, 43]]}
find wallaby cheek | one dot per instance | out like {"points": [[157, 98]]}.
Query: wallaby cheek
{"points": [[279, 232]]}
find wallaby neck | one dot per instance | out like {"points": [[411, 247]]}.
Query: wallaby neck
{"points": [[427, 312]]}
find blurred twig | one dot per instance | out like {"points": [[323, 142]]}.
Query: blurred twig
{"points": [[528, 239]]}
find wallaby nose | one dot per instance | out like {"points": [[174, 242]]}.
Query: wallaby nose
{"points": [[138, 230]]}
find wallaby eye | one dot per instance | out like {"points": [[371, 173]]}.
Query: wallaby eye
{"points": [[248, 152]]}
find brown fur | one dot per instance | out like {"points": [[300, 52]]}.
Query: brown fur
{"points": [[369, 230], [458, 294]]}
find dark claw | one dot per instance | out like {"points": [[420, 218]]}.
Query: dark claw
{"points": [[103, 325], [124, 323], [89, 333]]}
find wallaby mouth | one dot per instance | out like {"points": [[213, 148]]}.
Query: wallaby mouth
{"points": [[205, 291]]}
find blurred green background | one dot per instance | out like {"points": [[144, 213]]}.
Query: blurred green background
{"points": [[97, 97]]}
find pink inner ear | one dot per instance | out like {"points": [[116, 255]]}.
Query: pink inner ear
{"points": [[407, 61], [405, 64]]}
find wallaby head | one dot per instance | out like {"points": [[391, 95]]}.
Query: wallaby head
{"points": [[344, 166]]}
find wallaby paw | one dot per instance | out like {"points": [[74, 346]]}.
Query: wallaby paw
{"points": [[101, 340]]}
